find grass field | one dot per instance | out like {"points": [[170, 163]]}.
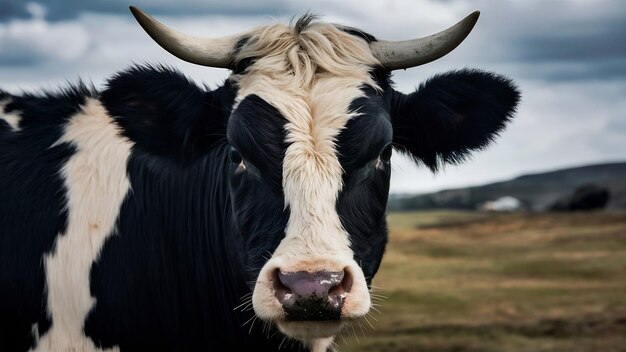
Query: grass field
{"points": [[465, 281]]}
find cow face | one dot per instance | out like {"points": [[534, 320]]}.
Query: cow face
{"points": [[311, 133], [313, 220]]}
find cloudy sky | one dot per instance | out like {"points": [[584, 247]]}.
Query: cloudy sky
{"points": [[568, 58]]}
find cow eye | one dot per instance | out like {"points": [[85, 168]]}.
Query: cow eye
{"points": [[385, 155], [234, 156]]}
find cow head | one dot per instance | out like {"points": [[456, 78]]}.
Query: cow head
{"points": [[311, 133]]}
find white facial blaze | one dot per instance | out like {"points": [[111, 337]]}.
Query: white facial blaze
{"points": [[312, 174], [96, 182], [13, 118]]}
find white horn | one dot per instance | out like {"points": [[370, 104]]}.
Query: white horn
{"points": [[213, 52], [395, 55]]}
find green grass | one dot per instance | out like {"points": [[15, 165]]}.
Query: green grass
{"points": [[411, 220], [465, 281]]}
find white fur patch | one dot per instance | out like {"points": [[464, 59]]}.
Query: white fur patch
{"points": [[13, 119], [96, 182]]}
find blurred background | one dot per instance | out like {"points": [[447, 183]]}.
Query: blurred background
{"points": [[522, 247]]}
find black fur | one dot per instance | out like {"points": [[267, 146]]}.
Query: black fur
{"points": [[256, 130], [451, 115], [358, 33], [365, 136], [303, 22], [238, 67], [362, 201]]}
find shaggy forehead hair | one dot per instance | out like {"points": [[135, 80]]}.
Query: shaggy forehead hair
{"points": [[308, 50]]}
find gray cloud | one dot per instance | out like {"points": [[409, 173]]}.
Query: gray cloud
{"points": [[578, 49], [20, 58], [614, 69], [35, 41], [11, 9], [58, 10], [557, 40], [602, 41]]}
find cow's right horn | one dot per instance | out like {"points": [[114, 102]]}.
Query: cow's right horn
{"points": [[395, 55], [213, 52]]}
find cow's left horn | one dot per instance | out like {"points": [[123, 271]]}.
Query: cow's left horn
{"points": [[395, 55], [214, 52]]}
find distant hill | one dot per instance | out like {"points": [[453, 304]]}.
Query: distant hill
{"points": [[536, 191]]}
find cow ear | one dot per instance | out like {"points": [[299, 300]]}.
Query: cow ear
{"points": [[452, 115], [165, 113]]}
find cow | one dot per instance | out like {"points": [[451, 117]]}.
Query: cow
{"points": [[156, 215]]}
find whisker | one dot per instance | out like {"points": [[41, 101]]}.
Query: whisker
{"points": [[371, 316], [251, 325], [361, 327], [246, 302], [274, 333], [376, 309], [368, 322], [253, 317], [248, 307], [267, 328], [378, 296], [333, 346], [355, 335]]}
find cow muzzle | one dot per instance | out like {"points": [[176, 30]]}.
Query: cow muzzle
{"points": [[312, 296], [310, 299]]}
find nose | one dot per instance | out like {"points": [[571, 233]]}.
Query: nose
{"points": [[312, 295]]}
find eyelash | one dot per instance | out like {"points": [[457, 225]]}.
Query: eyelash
{"points": [[385, 155], [234, 156]]}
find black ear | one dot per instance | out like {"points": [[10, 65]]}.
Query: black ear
{"points": [[451, 115], [165, 113]]}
